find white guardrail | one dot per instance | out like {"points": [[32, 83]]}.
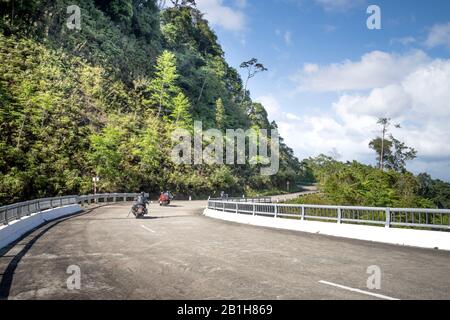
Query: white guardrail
{"points": [[20, 210], [434, 219]]}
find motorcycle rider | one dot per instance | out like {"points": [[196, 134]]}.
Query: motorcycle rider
{"points": [[142, 200], [169, 195]]}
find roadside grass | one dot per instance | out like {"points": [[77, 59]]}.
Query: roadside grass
{"points": [[272, 192]]}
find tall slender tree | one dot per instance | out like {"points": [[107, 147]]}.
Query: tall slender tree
{"points": [[385, 124], [253, 68], [220, 114], [180, 113], [163, 87]]}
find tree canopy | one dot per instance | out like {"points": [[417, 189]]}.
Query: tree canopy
{"points": [[103, 100]]}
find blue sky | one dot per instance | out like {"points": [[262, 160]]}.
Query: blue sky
{"points": [[330, 77]]}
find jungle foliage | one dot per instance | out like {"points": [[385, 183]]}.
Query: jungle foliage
{"points": [[103, 101], [356, 184]]}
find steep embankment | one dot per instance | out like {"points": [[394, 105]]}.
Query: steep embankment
{"points": [[79, 103]]}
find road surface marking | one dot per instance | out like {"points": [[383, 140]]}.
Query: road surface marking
{"points": [[148, 229], [357, 290]]}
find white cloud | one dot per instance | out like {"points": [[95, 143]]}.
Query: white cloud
{"points": [[224, 16], [375, 69], [429, 89], [271, 105], [439, 36], [419, 101], [310, 68], [291, 116]]}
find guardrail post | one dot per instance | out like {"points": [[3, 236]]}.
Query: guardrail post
{"points": [[275, 209], [388, 218], [6, 217], [237, 208], [339, 215], [254, 209], [38, 207], [303, 212]]}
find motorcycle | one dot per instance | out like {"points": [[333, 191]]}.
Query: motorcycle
{"points": [[165, 199], [139, 211]]}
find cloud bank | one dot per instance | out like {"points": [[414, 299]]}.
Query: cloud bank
{"points": [[412, 89]]}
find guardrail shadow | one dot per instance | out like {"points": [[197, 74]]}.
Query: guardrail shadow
{"points": [[8, 274], [163, 217]]}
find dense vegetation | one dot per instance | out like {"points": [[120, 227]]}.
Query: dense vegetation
{"points": [[353, 183], [103, 100]]}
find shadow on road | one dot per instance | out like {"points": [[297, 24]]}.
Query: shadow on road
{"points": [[171, 206], [8, 274], [133, 218], [164, 217]]}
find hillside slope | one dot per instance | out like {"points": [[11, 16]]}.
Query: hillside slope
{"points": [[80, 103]]}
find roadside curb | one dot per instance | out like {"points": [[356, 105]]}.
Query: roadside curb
{"points": [[403, 237], [18, 228]]}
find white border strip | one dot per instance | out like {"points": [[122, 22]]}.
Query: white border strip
{"points": [[18, 228], [357, 290], [396, 236]]}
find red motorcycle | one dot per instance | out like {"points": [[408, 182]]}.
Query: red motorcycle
{"points": [[165, 199]]}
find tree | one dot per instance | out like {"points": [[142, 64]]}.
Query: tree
{"points": [[395, 153], [121, 11], [180, 113], [253, 68], [220, 114], [184, 3], [385, 124], [400, 154], [163, 85], [380, 145], [103, 100], [435, 190], [149, 145], [106, 157], [353, 183], [258, 115]]}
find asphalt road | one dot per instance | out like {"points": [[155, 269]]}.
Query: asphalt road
{"points": [[179, 254]]}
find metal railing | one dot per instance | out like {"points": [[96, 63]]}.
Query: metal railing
{"points": [[19, 210], [253, 199], [389, 217]]}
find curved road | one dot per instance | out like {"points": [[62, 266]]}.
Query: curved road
{"points": [[179, 254]]}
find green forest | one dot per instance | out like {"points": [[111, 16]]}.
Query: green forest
{"points": [[357, 184], [104, 100]]}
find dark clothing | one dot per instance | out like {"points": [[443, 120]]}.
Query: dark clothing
{"points": [[142, 200]]}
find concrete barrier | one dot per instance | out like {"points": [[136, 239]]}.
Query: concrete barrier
{"points": [[18, 228], [405, 237]]}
